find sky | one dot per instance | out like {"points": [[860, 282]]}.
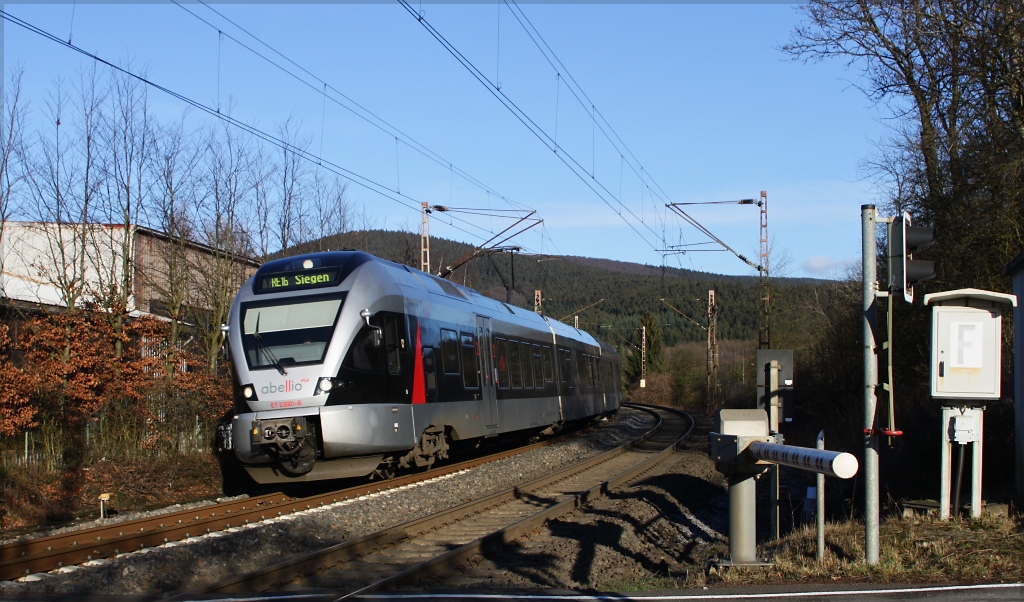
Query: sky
{"points": [[630, 107]]}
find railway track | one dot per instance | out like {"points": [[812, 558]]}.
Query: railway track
{"points": [[44, 554], [434, 545]]}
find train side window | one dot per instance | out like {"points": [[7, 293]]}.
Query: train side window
{"points": [[393, 343], [549, 364], [524, 354], [449, 351], [580, 369], [501, 346], [429, 373], [470, 362], [566, 367], [538, 368], [515, 364]]}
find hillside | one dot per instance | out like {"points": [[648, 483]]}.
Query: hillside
{"points": [[570, 284]]}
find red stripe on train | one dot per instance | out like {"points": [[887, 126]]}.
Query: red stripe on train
{"points": [[419, 390]]}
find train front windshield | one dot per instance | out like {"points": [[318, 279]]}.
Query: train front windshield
{"points": [[276, 335]]}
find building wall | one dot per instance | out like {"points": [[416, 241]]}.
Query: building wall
{"points": [[43, 263], [166, 267], [50, 264]]}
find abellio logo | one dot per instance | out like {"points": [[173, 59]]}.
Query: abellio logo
{"points": [[288, 386]]}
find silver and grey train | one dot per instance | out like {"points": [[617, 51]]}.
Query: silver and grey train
{"points": [[349, 365]]}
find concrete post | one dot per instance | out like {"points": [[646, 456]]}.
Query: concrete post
{"points": [[743, 518]]}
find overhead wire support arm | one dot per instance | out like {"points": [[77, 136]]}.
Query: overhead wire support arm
{"points": [[611, 329], [579, 310], [684, 249], [444, 273], [684, 315], [675, 207], [574, 165]]}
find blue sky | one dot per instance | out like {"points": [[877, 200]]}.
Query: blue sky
{"points": [[699, 94]]}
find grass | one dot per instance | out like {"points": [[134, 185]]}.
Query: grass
{"points": [[912, 550], [36, 497]]}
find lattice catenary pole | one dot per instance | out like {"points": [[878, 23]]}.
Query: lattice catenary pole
{"points": [[424, 238], [712, 393], [764, 307]]}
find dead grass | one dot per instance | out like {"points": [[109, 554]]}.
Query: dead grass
{"points": [[39, 498], [911, 550]]}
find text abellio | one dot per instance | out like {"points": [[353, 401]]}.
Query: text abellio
{"points": [[287, 387]]}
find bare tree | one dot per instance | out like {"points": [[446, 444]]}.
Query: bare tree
{"points": [[330, 211], [229, 187], [264, 217], [65, 179], [953, 75], [176, 162], [291, 176], [128, 141], [12, 155]]}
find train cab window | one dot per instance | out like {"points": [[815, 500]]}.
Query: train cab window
{"points": [[501, 349], [515, 364], [394, 342], [525, 355], [450, 351], [549, 364], [286, 333], [470, 362], [429, 373], [362, 355], [538, 368]]}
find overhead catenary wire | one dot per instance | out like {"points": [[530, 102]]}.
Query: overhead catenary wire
{"points": [[559, 67], [359, 111], [574, 165], [380, 123], [686, 217], [381, 189], [354, 107]]}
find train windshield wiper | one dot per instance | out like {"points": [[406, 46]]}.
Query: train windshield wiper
{"points": [[261, 347]]}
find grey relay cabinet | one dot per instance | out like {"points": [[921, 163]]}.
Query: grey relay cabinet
{"points": [[966, 343]]}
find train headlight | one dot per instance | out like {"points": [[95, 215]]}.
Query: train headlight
{"points": [[325, 385], [248, 392]]}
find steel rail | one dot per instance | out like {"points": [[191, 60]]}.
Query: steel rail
{"points": [[300, 567], [43, 554]]}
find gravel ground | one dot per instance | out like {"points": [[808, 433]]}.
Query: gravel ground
{"points": [[177, 567], [657, 534]]}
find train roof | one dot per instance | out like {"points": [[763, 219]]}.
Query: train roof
{"points": [[348, 260]]}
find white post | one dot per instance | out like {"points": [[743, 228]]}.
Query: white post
{"points": [[819, 502], [945, 478], [976, 467]]}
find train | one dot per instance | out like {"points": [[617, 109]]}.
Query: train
{"points": [[349, 365]]}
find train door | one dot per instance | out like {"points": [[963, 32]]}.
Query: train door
{"points": [[487, 384]]}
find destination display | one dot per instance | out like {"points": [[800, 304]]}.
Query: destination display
{"points": [[283, 281]]}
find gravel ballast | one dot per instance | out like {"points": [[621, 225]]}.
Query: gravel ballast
{"points": [[182, 566]]}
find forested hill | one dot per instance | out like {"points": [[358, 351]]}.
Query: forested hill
{"points": [[573, 285]]}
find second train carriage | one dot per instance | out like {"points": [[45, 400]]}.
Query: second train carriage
{"points": [[347, 364]]}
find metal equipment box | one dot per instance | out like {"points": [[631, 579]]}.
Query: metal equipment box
{"points": [[967, 343]]}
